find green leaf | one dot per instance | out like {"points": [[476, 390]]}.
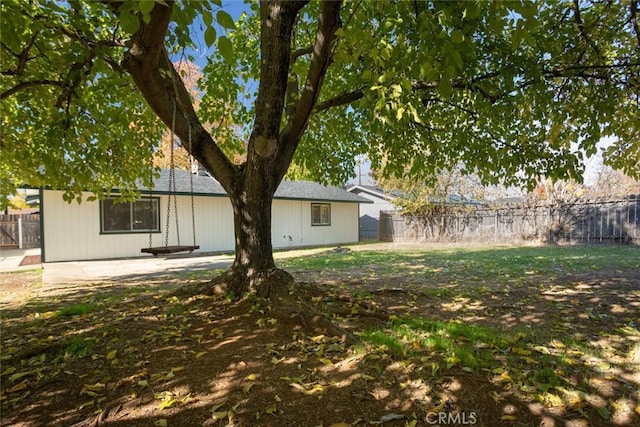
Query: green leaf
{"points": [[207, 18], [210, 36], [225, 20], [445, 87], [129, 21], [457, 37], [146, 6], [226, 49]]}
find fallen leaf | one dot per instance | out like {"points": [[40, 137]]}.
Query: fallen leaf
{"points": [[87, 404], [508, 418], [452, 361], [167, 404], [111, 355], [553, 400], [521, 351], [18, 387], [9, 370], [391, 417], [160, 423], [219, 415], [15, 377], [542, 349], [326, 361], [215, 408], [94, 387]]}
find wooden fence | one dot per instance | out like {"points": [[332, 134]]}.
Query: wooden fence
{"points": [[616, 221], [20, 231]]}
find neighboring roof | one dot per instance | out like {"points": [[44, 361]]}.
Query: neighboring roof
{"points": [[373, 190], [507, 200], [376, 191], [205, 185], [456, 199]]}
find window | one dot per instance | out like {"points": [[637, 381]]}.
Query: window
{"points": [[140, 216], [320, 214]]}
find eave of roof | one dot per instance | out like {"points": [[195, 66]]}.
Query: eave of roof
{"points": [[204, 185], [373, 190]]}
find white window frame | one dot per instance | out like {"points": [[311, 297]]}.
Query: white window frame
{"points": [[133, 220], [320, 214]]}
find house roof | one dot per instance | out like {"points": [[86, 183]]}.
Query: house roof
{"points": [[373, 190], [205, 185]]}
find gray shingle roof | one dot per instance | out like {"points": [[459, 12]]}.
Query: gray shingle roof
{"points": [[204, 185]]}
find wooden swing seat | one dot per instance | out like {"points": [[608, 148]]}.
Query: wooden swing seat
{"points": [[164, 250]]}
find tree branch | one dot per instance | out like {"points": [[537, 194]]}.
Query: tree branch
{"points": [[23, 56], [301, 52], [581, 28], [24, 85], [328, 24], [342, 99], [148, 63], [634, 20]]}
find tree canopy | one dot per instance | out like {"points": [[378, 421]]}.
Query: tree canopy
{"points": [[513, 90]]}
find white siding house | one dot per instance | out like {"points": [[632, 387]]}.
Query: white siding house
{"points": [[303, 214]]}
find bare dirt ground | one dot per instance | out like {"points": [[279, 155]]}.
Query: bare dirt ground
{"points": [[131, 354]]}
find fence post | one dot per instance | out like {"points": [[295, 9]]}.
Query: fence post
{"points": [[20, 232]]}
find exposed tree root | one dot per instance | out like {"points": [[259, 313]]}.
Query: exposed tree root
{"points": [[313, 321], [101, 418], [290, 301], [297, 307], [270, 284]]}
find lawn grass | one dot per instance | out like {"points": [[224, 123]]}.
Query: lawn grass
{"points": [[76, 309], [550, 362], [484, 261]]}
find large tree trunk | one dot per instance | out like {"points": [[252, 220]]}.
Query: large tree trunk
{"points": [[254, 268], [273, 141]]}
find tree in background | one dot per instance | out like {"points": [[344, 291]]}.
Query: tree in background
{"points": [[502, 88], [431, 203], [558, 192], [18, 201], [611, 183]]}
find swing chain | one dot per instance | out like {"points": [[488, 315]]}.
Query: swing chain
{"points": [[151, 210], [172, 182], [193, 209]]}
